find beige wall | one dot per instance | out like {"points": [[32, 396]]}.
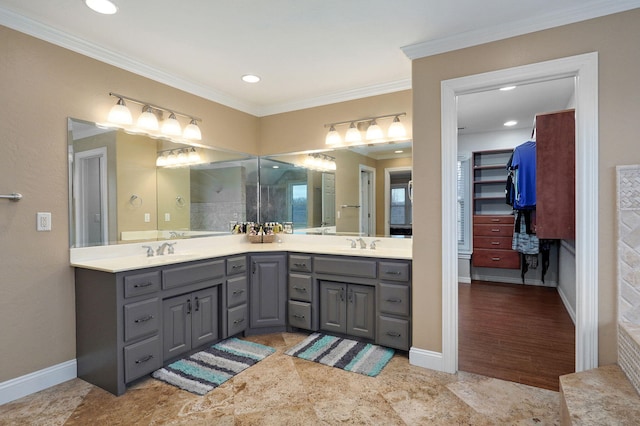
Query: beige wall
{"points": [[615, 38], [41, 86]]}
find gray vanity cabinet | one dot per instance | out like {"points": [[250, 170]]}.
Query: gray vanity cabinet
{"points": [[303, 294], [189, 321], [268, 292], [348, 309], [236, 293]]}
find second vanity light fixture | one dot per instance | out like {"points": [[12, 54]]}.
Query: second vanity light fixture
{"points": [[147, 122], [373, 132]]}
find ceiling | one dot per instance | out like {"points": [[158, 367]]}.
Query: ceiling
{"points": [[308, 53]]}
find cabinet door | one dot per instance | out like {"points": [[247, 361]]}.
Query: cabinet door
{"points": [[361, 309], [333, 307], [268, 293], [176, 327], [204, 318]]}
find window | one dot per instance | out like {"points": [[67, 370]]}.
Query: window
{"points": [[400, 211], [298, 204], [464, 206]]}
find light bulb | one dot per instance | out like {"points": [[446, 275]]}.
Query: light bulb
{"points": [[120, 114], [333, 137], [192, 131], [353, 134], [171, 126], [397, 130], [374, 131], [147, 119]]}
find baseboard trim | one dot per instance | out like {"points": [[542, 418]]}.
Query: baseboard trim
{"points": [[464, 280], [426, 359], [567, 305], [37, 381]]}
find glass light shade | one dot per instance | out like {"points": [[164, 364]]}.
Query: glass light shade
{"points": [[374, 131], [333, 137], [182, 158], [172, 159], [397, 130], [120, 114], [192, 131], [353, 134], [102, 6], [171, 126], [161, 161], [147, 119], [193, 156]]}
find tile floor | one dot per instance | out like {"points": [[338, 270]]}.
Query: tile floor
{"points": [[282, 390]]}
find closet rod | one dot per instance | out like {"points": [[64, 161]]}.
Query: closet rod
{"points": [[15, 196]]}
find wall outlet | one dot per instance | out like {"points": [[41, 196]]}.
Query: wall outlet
{"points": [[167, 217], [147, 217], [43, 221]]}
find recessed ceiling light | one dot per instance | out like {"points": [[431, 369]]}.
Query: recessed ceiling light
{"points": [[275, 167], [507, 88], [399, 151], [511, 123], [102, 6], [250, 78]]}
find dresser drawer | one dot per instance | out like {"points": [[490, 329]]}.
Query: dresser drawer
{"points": [[394, 299], [489, 219], [502, 243], [393, 332], [300, 314], [141, 318], [236, 291], [189, 274], [236, 265], [492, 230], [345, 267], [394, 271], [142, 358], [485, 258], [139, 284], [300, 287], [237, 320], [299, 263]]}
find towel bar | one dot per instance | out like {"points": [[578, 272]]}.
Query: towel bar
{"points": [[15, 196]]}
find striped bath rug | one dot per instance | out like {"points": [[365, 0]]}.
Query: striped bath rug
{"points": [[208, 369], [349, 355]]}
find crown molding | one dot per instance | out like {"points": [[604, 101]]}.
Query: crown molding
{"points": [[343, 96], [588, 10]]}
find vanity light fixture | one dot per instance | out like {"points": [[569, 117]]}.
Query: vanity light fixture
{"points": [[104, 7], [120, 116], [374, 132], [320, 162], [178, 157]]}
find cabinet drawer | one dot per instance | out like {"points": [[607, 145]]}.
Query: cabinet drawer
{"points": [[492, 230], [484, 258], [141, 318], [346, 267], [394, 299], [236, 320], [142, 358], [300, 314], [236, 265], [394, 271], [489, 219], [300, 287], [236, 291], [139, 284], [502, 243], [393, 332], [299, 263], [189, 274]]}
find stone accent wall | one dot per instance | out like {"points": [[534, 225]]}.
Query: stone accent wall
{"points": [[629, 272]]}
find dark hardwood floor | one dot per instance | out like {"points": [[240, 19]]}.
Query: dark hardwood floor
{"points": [[515, 332]]}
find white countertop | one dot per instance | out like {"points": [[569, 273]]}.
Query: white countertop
{"points": [[127, 257]]}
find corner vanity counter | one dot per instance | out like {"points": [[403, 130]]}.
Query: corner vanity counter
{"points": [[136, 313]]}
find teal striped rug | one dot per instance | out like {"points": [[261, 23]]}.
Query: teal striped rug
{"points": [[208, 369], [349, 355]]}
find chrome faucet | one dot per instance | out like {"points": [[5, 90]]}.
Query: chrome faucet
{"points": [[168, 246], [372, 246], [363, 243], [149, 250], [353, 242]]}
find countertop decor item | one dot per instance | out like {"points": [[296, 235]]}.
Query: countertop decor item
{"points": [[347, 354], [206, 370]]}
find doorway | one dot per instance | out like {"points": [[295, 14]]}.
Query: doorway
{"points": [[367, 201], [398, 220], [585, 69], [90, 196]]}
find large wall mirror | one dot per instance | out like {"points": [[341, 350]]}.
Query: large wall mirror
{"points": [[120, 191], [358, 190]]}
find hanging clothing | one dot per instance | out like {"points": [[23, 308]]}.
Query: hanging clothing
{"points": [[523, 164]]}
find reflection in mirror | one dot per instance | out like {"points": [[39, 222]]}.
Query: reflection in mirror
{"points": [[364, 193], [120, 192]]}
